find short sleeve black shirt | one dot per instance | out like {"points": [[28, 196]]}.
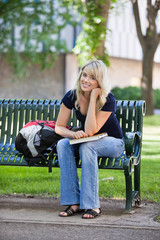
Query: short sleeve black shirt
{"points": [[111, 126]]}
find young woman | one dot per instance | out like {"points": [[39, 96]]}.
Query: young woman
{"points": [[95, 109]]}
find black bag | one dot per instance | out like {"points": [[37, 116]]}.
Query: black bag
{"points": [[35, 139]]}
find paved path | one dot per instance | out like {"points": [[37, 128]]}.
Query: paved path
{"points": [[25, 218]]}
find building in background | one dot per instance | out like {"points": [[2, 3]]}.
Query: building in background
{"points": [[125, 61], [123, 47]]}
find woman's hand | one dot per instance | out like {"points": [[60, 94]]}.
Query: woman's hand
{"points": [[80, 134], [95, 93]]}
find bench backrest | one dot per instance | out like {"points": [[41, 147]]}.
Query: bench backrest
{"points": [[15, 113]]}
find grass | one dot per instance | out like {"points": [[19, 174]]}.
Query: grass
{"points": [[37, 181], [150, 173]]}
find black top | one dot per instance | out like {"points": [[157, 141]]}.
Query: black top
{"points": [[111, 126]]}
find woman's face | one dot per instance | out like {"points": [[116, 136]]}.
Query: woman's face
{"points": [[87, 81]]}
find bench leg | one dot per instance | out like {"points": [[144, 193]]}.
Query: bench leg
{"points": [[137, 184], [128, 180]]}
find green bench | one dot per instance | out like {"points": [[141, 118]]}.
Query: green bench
{"points": [[15, 113]]}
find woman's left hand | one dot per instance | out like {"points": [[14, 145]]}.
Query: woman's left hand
{"points": [[95, 93]]}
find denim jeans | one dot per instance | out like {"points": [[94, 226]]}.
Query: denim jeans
{"points": [[87, 194]]}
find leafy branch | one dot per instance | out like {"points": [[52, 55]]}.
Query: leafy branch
{"points": [[30, 32], [93, 33]]}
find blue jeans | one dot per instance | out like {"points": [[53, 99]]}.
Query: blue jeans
{"points": [[87, 194]]}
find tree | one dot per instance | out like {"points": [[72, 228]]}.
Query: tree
{"points": [[91, 41], [37, 24], [149, 43], [40, 23]]}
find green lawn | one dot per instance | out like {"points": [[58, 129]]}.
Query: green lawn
{"points": [[37, 181]]}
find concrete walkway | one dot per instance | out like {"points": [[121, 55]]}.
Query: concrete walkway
{"points": [[25, 218]]}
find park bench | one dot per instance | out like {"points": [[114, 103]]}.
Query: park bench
{"points": [[15, 113]]}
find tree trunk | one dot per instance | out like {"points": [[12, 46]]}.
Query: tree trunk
{"points": [[147, 90], [104, 11], [149, 44]]}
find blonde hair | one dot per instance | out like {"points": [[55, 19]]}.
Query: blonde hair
{"points": [[99, 70]]}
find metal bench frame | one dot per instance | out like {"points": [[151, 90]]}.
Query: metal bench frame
{"points": [[15, 113]]}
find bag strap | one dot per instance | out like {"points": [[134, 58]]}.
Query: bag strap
{"points": [[52, 152]]}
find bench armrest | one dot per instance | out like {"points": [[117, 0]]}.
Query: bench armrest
{"points": [[133, 144]]}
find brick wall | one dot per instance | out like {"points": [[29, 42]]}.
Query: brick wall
{"points": [[52, 83], [38, 84]]}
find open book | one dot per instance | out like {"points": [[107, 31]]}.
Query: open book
{"points": [[87, 139]]}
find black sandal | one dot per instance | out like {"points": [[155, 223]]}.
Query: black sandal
{"points": [[70, 211], [92, 213]]}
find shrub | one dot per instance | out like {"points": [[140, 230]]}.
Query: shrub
{"points": [[134, 93], [128, 93], [157, 98]]}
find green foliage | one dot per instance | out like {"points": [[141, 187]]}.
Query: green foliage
{"points": [[134, 93], [37, 26], [127, 93], [93, 32], [156, 98], [30, 32]]}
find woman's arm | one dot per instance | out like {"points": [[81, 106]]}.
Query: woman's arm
{"points": [[61, 124], [94, 121]]}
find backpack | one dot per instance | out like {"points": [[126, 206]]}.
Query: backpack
{"points": [[35, 139]]}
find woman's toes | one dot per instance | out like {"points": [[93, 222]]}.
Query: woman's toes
{"points": [[63, 214]]}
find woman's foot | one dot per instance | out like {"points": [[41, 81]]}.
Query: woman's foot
{"points": [[91, 213], [70, 211]]}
